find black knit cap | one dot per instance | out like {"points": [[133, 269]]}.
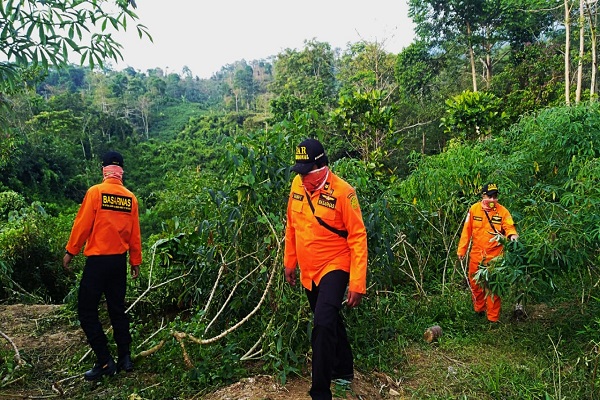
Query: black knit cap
{"points": [[308, 154], [112, 158]]}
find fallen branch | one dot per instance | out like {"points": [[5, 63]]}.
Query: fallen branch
{"points": [[230, 296], [250, 354], [179, 336], [150, 351], [57, 386], [162, 326], [4, 384], [216, 284], [152, 287], [18, 359], [240, 323]]}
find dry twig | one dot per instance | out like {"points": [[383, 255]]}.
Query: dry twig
{"points": [[18, 359]]}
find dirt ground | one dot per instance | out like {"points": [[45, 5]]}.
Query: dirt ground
{"points": [[265, 387], [45, 340]]}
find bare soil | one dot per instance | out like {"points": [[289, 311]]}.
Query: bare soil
{"points": [[48, 344]]}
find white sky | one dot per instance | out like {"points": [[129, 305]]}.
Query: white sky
{"points": [[205, 35]]}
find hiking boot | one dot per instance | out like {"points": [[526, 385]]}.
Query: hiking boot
{"points": [[99, 370], [125, 364]]}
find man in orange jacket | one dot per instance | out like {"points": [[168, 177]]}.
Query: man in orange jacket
{"points": [[108, 224], [485, 221], [326, 237]]}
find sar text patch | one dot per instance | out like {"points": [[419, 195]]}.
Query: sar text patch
{"points": [[116, 203]]}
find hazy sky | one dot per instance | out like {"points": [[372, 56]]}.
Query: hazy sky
{"points": [[205, 35]]}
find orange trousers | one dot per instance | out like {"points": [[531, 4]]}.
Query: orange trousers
{"points": [[490, 303]]}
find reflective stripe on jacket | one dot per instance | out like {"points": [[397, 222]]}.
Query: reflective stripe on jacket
{"points": [[316, 249], [107, 223], [478, 229]]}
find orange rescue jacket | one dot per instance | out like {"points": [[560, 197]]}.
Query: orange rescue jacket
{"points": [[479, 229], [316, 249], [107, 223]]}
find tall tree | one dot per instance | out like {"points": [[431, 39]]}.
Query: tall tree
{"points": [[304, 80], [366, 66], [453, 21], [481, 27], [592, 13], [581, 51], [424, 82], [364, 121]]}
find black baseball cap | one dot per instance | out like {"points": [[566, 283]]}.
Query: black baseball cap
{"points": [[489, 189], [309, 153], [112, 158]]}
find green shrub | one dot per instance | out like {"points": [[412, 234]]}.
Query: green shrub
{"points": [[10, 201], [32, 244]]}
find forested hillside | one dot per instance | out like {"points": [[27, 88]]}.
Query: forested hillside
{"points": [[501, 91]]}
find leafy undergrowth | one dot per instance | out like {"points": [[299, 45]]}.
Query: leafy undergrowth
{"points": [[541, 356]]}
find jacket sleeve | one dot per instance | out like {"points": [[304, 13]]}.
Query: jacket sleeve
{"points": [[508, 225], [465, 237], [290, 259], [135, 245], [357, 242], [84, 222]]}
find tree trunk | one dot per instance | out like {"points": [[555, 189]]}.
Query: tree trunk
{"points": [[488, 60], [592, 24], [472, 57], [581, 49], [567, 52]]}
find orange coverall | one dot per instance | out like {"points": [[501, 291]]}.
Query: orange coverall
{"points": [[316, 249], [478, 229], [107, 208]]}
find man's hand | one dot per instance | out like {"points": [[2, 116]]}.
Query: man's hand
{"points": [[461, 257], [514, 238], [354, 299], [135, 271], [290, 276], [66, 261]]}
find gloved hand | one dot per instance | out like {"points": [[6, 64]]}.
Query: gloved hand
{"points": [[514, 238]]}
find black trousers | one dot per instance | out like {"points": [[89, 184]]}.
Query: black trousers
{"points": [[330, 346], [104, 275]]}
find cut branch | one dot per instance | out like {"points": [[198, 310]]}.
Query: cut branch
{"points": [[18, 359]]}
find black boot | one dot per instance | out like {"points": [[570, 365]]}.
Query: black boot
{"points": [[101, 369], [125, 363]]}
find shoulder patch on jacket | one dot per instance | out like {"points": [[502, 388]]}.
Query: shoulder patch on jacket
{"points": [[116, 202], [298, 196], [353, 200]]}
